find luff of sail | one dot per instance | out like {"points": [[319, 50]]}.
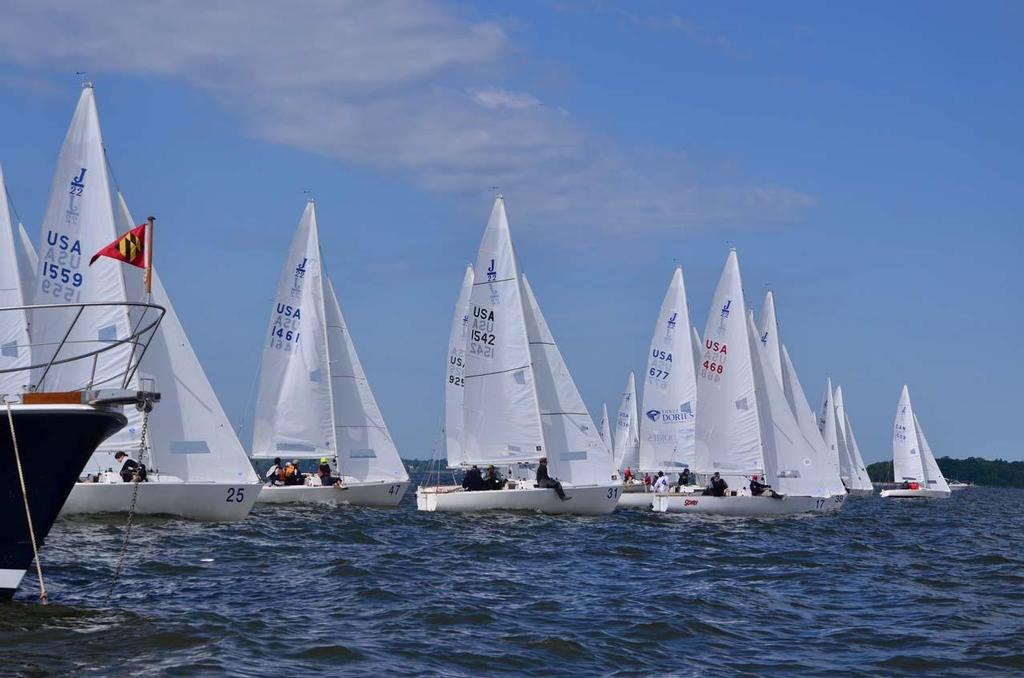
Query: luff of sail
{"points": [[502, 419], [366, 451], [15, 347], [455, 375], [294, 412], [728, 430], [79, 221], [576, 453], [667, 423], [627, 430]]}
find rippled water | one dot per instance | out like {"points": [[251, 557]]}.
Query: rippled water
{"points": [[884, 587]]}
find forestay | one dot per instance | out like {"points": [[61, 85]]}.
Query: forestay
{"points": [[728, 430], [906, 457], [502, 420], [933, 475], [627, 430], [576, 454], [15, 348], [294, 414], [366, 449], [78, 222], [668, 423], [454, 386]]}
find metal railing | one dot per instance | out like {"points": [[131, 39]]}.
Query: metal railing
{"points": [[143, 320]]}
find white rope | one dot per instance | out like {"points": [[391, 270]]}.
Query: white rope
{"points": [[28, 511]]}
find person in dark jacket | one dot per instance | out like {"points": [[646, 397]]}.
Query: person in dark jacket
{"points": [[717, 487], [473, 481], [544, 480], [130, 468], [493, 481], [684, 479], [757, 488]]}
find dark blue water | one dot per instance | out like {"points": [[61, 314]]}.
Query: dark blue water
{"points": [[883, 588]]}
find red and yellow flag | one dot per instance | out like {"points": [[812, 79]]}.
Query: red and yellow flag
{"points": [[129, 248]]}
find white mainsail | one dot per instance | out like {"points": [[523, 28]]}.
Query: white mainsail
{"points": [[728, 429], [829, 428], [15, 348], [808, 423], [605, 430], [366, 450], [627, 431], [670, 389], [858, 472], [78, 222], [28, 264], [770, 337], [906, 456], [698, 351], [454, 386], [934, 480], [502, 419], [294, 409], [576, 453]]}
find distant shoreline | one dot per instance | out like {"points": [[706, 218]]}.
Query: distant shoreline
{"points": [[984, 472]]}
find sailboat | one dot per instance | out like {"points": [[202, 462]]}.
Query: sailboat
{"points": [[15, 293], [913, 462], [858, 483], [314, 400], [517, 402], [605, 430], [626, 450], [745, 425], [832, 428], [670, 393]]}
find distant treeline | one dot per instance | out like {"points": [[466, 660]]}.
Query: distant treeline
{"points": [[995, 473]]}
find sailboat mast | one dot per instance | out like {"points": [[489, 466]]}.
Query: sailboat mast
{"points": [[327, 344]]}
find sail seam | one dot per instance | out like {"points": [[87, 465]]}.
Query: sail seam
{"points": [[487, 374], [491, 282]]}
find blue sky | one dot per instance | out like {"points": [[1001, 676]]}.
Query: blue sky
{"points": [[865, 160]]}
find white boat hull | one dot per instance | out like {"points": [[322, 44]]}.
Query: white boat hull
{"points": [[861, 493], [588, 500], [956, 487], [636, 500], [914, 494], [745, 505], [362, 494], [206, 502]]}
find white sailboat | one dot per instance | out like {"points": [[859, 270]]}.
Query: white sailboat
{"points": [[197, 467], [15, 291], [668, 423], [314, 400], [626, 450], [859, 482], [518, 403], [913, 462], [745, 425]]}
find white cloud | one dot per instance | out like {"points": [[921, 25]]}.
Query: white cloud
{"points": [[399, 85]]}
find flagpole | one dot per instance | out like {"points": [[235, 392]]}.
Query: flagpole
{"points": [[149, 258]]}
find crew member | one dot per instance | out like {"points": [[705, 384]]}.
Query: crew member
{"points": [[473, 481], [627, 475], [544, 480], [493, 481], [661, 482], [324, 473], [131, 470], [757, 488], [292, 476], [684, 479], [274, 471], [717, 487]]}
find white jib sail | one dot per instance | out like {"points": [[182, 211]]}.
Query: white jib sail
{"points": [[576, 454], [28, 264], [190, 436], [15, 348], [728, 430], [829, 428], [366, 450], [698, 351], [294, 414], [605, 430], [79, 221], [668, 424], [455, 381], [846, 467], [906, 455], [932, 473], [808, 424], [795, 466], [627, 431], [859, 474], [770, 336], [502, 419]]}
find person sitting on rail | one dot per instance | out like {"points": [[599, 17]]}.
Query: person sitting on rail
{"points": [[473, 481], [661, 482], [544, 480], [273, 472], [292, 475], [717, 487], [325, 475], [757, 488], [684, 479], [131, 470], [493, 481]]}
